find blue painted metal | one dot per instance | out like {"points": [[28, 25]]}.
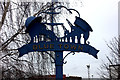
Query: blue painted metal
{"points": [[38, 29], [77, 31], [31, 20], [79, 22], [34, 27], [58, 46], [59, 65]]}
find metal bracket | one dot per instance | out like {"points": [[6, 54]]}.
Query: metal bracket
{"points": [[66, 56]]}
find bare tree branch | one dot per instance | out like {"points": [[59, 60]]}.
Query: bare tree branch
{"points": [[4, 14]]}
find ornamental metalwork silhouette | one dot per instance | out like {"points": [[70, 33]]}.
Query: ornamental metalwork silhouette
{"points": [[35, 27]]}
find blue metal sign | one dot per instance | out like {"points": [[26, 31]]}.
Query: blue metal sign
{"points": [[58, 46], [34, 27]]}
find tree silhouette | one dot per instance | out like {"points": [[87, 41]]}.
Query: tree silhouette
{"points": [[112, 68]]}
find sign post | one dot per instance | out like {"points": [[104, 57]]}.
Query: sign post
{"points": [[35, 27], [59, 65]]}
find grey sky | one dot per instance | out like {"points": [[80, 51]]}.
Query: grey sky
{"points": [[102, 15]]}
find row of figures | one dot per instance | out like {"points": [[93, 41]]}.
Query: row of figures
{"points": [[36, 30], [41, 38]]}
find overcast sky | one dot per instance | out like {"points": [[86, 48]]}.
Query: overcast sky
{"points": [[102, 15]]}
